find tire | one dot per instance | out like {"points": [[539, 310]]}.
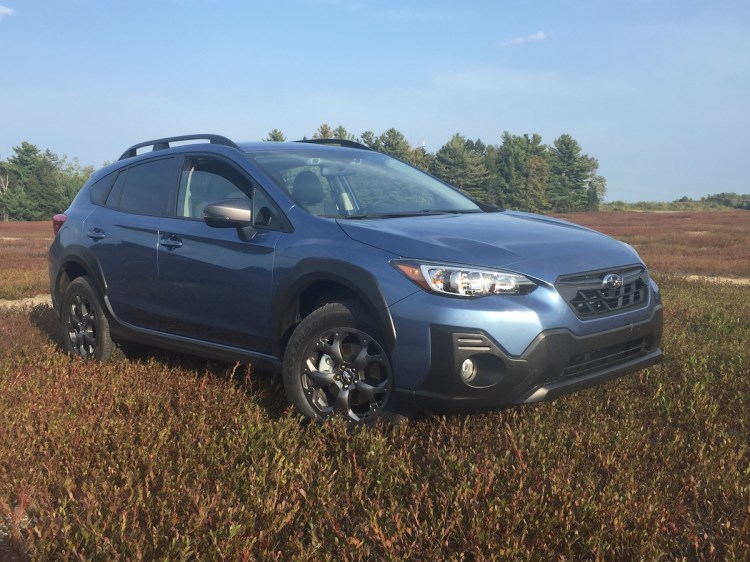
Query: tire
{"points": [[335, 365], [85, 327]]}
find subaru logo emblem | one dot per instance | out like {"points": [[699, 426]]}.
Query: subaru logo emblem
{"points": [[612, 281]]}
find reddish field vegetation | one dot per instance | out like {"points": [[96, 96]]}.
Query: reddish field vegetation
{"points": [[163, 456], [700, 243], [23, 255]]}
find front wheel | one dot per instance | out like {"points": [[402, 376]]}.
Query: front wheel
{"points": [[336, 365], [85, 327]]}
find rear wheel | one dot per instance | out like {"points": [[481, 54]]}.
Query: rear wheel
{"points": [[335, 364], [85, 327]]}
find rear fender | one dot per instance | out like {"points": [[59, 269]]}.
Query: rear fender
{"points": [[77, 262]]}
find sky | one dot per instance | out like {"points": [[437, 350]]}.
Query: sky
{"points": [[657, 90]]}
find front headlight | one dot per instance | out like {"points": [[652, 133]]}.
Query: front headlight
{"points": [[461, 281]]}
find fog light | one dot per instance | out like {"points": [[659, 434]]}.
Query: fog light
{"points": [[468, 370]]}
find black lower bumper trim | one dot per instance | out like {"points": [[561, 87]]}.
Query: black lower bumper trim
{"points": [[555, 389], [556, 363]]}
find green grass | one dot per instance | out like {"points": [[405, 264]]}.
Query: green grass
{"points": [[174, 458]]}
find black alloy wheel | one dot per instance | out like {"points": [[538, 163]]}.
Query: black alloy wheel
{"points": [[85, 326], [335, 366]]}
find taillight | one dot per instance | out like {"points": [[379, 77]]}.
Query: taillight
{"points": [[57, 222]]}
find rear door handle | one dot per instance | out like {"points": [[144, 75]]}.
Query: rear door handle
{"points": [[96, 234], [171, 242]]}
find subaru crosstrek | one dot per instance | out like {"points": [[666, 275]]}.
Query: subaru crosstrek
{"points": [[369, 285]]}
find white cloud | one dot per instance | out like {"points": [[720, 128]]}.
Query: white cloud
{"points": [[538, 36], [5, 11]]}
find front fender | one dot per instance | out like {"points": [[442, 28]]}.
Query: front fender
{"points": [[354, 279]]}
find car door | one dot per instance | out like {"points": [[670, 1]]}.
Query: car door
{"points": [[123, 236], [213, 285]]}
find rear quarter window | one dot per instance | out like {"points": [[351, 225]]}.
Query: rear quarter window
{"points": [[99, 190], [145, 189]]}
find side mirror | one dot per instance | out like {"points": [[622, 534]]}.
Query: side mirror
{"points": [[231, 213]]}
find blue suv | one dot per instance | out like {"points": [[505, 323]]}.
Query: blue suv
{"points": [[371, 286]]}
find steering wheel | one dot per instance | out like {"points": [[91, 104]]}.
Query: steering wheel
{"points": [[383, 205]]}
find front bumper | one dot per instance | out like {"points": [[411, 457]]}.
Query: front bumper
{"points": [[557, 362]]}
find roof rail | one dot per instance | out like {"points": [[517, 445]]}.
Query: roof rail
{"points": [[163, 144], [338, 142]]}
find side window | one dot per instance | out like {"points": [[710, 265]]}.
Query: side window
{"points": [[99, 190], [205, 180], [145, 188]]}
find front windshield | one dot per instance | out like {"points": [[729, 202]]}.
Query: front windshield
{"points": [[358, 184]]}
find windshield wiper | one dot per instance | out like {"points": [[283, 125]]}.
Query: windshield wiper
{"points": [[399, 214]]}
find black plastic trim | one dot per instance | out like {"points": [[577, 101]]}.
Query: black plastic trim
{"points": [[127, 332], [358, 281], [590, 299], [554, 390], [81, 258], [538, 374]]}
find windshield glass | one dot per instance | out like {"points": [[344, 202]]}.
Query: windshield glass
{"points": [[358, 184]]}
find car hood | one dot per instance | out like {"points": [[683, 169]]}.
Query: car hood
{"points": [[535, 245]]}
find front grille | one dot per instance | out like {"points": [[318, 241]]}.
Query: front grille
{"points": [[590, 296], [584, 363]]}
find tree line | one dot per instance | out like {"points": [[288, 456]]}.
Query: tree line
{"points": [[519, 173], [718, 201]]}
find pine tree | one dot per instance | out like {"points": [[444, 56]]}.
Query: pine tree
{"points": [[275, 136], [522, 168], [341, 133], [394, 143], [370, 140], [569, 177], [462, 167], [324, 132]]}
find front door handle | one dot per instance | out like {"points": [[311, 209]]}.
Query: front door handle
{"points": [[171, 243]]}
